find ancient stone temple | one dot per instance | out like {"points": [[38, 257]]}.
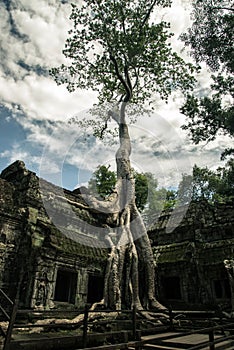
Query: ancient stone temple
{"points": [[48, 249], [50, 268], [195, 258]]}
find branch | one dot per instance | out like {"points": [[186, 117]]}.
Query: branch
{"points": [[137, 77], [109, 206], [114, 115], [128, 78], [120, 77], [103, 130], [148, 14], [52, 196], [224, 8], [123, 21]]}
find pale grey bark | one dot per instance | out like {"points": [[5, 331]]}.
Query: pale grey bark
{"points": [[122, 274]]}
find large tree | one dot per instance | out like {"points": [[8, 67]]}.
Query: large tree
{"points": [[210, 39], [118, 49]]}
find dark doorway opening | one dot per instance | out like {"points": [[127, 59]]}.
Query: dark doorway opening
{"points": [[218, 289], [66, 284], [171, 287], [222, 289], [95, 288]]}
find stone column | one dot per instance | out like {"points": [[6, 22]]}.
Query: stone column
{"points": [[82, 287], [229, 265]]}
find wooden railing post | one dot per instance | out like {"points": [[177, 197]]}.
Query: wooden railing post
{"points": [[85, 326], [138, 337], [124, 338], [134, 322], [10, 326], [211, 339], [171, 317], [220, 314], [9, 331]]}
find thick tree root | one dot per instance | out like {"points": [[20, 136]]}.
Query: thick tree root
{"points": [[154, 318], [155, 305], [150, 317]]}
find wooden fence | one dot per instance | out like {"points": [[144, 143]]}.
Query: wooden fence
{"points": [[13, 306], [128, 339]]}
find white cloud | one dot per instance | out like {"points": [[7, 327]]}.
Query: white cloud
{"points": [[14, 154], [159, 145], [45, 25], [41, 22], [40, 97]]}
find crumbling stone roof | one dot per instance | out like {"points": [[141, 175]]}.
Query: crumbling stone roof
{"points": [[206, 253], [92, 249], [21, 193], [199, 221]]}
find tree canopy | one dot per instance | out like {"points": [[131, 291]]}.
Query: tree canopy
{"points": [[117, 49], [211, 34], [211, 39]]}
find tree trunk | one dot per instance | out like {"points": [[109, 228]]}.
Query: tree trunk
{"points": [[132, 246]]}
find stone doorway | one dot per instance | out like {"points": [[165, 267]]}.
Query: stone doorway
{"points": [[171, 287], [221, 289], [95, 288], [66, 286]]}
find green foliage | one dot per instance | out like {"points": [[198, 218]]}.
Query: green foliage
{"points": [[117, 50], [185, 189], [102, 181], [211, 35], [203, 184], [171, 199], [207, 117], [226, 185], [213, 186], [158, 198], [211, 40], [141, 192]]}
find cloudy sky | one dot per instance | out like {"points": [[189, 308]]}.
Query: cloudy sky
{"points": [[34, 111]]}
